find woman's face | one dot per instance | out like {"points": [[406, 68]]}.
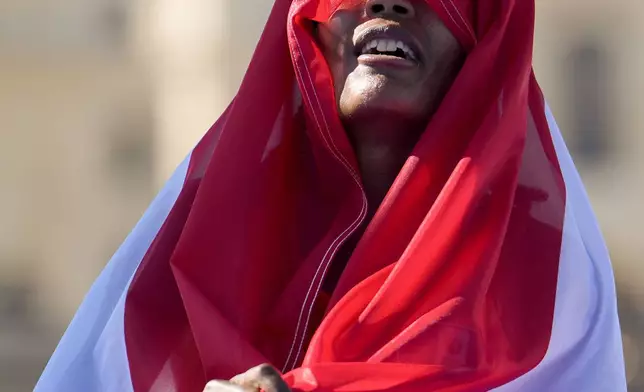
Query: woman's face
{"points": [[389, 56]]}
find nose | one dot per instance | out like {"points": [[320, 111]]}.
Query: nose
{"points": [[398, 8]]}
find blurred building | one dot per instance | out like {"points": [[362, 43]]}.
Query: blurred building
{"points": [[77, 165], [100, 99], [590, 71]]}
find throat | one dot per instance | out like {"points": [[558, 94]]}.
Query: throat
{"points": [[381, 152], [379, 167]]}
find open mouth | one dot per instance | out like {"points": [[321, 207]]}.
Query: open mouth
{"points": [[389, 47]]}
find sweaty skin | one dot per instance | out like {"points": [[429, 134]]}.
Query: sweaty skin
{"points": [[385, 99]]}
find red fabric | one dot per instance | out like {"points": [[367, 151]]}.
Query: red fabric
{"points": [[452, 286]]}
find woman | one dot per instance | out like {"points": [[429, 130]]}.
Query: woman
{"points": [[386, 205]]}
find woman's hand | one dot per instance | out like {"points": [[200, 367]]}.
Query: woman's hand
{"points": [[261, 378]]}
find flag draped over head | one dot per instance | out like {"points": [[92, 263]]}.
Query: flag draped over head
{"points": [[483, 269]]}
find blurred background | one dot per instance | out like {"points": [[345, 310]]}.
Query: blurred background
{"points": [[101, 99]]}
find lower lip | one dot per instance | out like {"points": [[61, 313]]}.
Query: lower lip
{"points": [[377, 60]]}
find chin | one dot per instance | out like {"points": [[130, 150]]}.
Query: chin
{"points": [[377, 105], [378, 95]]}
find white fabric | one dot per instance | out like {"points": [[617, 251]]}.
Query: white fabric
{"points": [[91, 356], [585, 351]]}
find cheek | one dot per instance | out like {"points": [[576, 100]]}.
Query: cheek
{"points": [[336, 35], [333, 55], [443, 47], [445, 43], [343, 22], [447, 57], [336, 44]]}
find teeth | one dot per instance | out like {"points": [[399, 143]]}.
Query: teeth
{"points": [[388, 45]]}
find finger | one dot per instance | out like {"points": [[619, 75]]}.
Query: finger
{"points": [[226, 386], [264, 377]]}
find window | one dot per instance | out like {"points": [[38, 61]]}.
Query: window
{"points": [[590, 103], [130, 149]]}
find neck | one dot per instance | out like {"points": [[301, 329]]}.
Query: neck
{"points": [[382, 147]]}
